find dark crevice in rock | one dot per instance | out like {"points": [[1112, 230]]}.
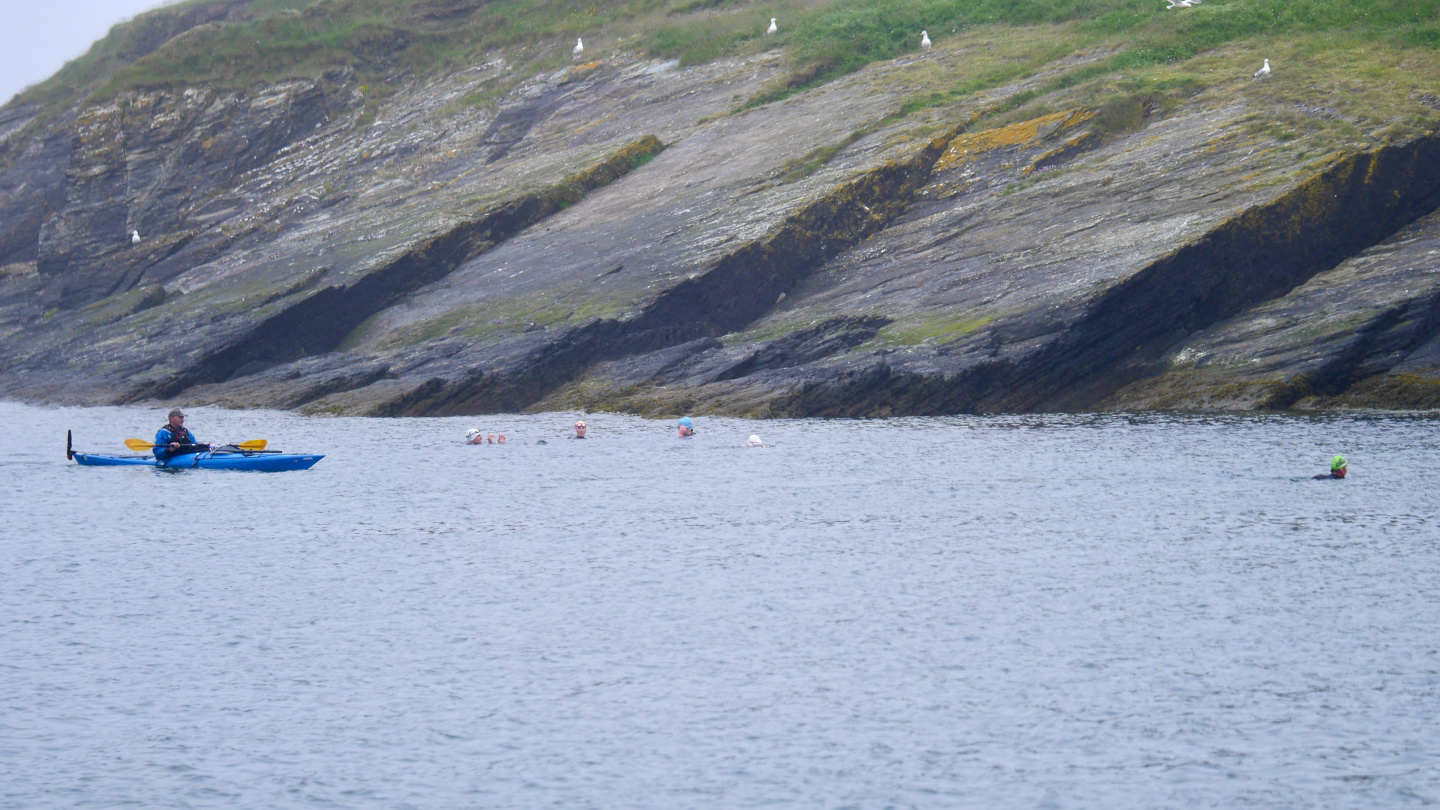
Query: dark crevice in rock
{"points": [[317, 386], [1385, 337], [319, 323], [32, 188], [733, 293], [823, 340], [1262, 254], [1121, 337]]}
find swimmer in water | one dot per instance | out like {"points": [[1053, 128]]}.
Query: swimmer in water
{"points": [[500, 439], [474, 436], [754, 441], [1338, 468], [579, 430], [687, 427]]}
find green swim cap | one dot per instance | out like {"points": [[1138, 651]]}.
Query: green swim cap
{"points": [[1337, 463]]}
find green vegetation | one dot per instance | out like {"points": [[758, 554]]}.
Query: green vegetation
{"points": [[934, 330], [484, 321], [384, 40], [830, 39], [130, 42]]}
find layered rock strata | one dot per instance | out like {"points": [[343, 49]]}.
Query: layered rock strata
{"points": [[616, 235], [1363, 333]]}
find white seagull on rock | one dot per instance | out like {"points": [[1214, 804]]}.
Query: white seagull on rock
{"points": [[1262, 72], [578, 49], [772, 29], [134, 237], [924, 40]]}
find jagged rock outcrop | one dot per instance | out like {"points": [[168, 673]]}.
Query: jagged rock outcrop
{"points": [[619, 234]]}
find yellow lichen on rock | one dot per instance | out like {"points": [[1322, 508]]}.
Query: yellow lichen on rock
{"points": [[1023, 133], [578, 72]]}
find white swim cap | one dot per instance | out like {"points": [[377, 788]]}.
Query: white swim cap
{"points": [[472, 433], [754, 440]]}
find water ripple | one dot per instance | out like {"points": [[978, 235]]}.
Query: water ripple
{"points": [[1018, 611]]}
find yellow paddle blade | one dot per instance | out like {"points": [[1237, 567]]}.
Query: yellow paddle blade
{"points": [[252, 444]]}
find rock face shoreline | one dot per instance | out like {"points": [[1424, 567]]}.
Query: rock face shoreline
{"points": [[622, 235]]}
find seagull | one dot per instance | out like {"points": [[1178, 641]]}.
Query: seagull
{"points": [[579, 48], [772, 29], [924, 40], [134, 237], [1262, 72]]}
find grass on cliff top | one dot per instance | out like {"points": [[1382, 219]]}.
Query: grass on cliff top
{"points": [[385, 40], [128, 42], [1329, 93], [829, 40]]}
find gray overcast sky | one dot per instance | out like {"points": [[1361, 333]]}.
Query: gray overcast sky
{"points": [[38, 36]]}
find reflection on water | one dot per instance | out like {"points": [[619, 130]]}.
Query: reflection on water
{"points": [[1061, 611]]}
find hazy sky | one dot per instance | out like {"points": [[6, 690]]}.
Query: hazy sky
{"points": [[38, 36]]}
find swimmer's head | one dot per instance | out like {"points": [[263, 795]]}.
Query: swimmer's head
{"points": [[754, 441], [580, 429], [471, 434], [686, 422], [1337, 463]]}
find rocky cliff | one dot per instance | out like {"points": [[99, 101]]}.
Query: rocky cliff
{"points": [[628, 233]]}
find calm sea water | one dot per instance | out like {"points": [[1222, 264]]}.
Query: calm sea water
{"points": [[1040, 611]]}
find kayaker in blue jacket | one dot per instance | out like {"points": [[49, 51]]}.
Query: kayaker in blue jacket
{"points": [[175, 439]]}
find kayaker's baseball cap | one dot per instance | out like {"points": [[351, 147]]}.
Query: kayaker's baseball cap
{"points": [[685, 422], [1337, 463], [472, 433], [177, 412]]}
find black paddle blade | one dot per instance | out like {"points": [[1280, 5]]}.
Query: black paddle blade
{"points": [[69, 453]]}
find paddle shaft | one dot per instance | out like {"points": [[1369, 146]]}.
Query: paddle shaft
{"points": [[141, 444]]}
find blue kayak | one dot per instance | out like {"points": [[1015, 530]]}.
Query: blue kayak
{"points": [[254, 462]]}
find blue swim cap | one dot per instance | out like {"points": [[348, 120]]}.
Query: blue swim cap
{"points": [[685, 422]]}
